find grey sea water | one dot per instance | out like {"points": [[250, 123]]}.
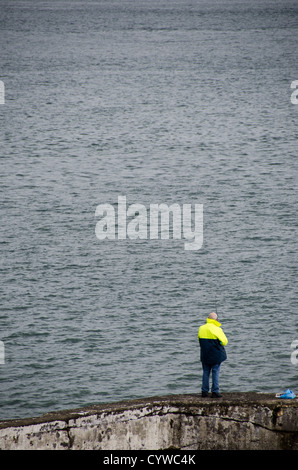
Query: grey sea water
{"points": [[162, 102]]}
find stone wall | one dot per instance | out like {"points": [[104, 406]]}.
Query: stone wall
{"points": [[238, 421]]}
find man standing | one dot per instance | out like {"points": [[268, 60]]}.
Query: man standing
{"points": [[212, 341]]}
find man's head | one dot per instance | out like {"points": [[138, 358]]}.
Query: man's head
{"points": [[212, 316]]}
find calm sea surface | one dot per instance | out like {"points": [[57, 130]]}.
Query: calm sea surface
{"points": [[162, 102]]}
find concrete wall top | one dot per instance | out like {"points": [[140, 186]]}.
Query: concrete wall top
{"points": [[235, 421]]}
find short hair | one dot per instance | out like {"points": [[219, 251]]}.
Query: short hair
{"points": [[213, 316]]}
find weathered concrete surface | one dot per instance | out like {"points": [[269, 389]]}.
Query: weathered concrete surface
{"points": [[238, 421]]}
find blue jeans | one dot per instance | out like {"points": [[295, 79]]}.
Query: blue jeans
{"points": [[207, 368]]}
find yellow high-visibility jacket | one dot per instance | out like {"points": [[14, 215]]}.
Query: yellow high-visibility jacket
{"points": [[212, 341]]}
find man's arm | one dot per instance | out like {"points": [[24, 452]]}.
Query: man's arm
{"points": [[222, 337]]}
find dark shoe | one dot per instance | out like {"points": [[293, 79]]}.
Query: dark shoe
{"points": [[216, 395], [204, 394]]}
